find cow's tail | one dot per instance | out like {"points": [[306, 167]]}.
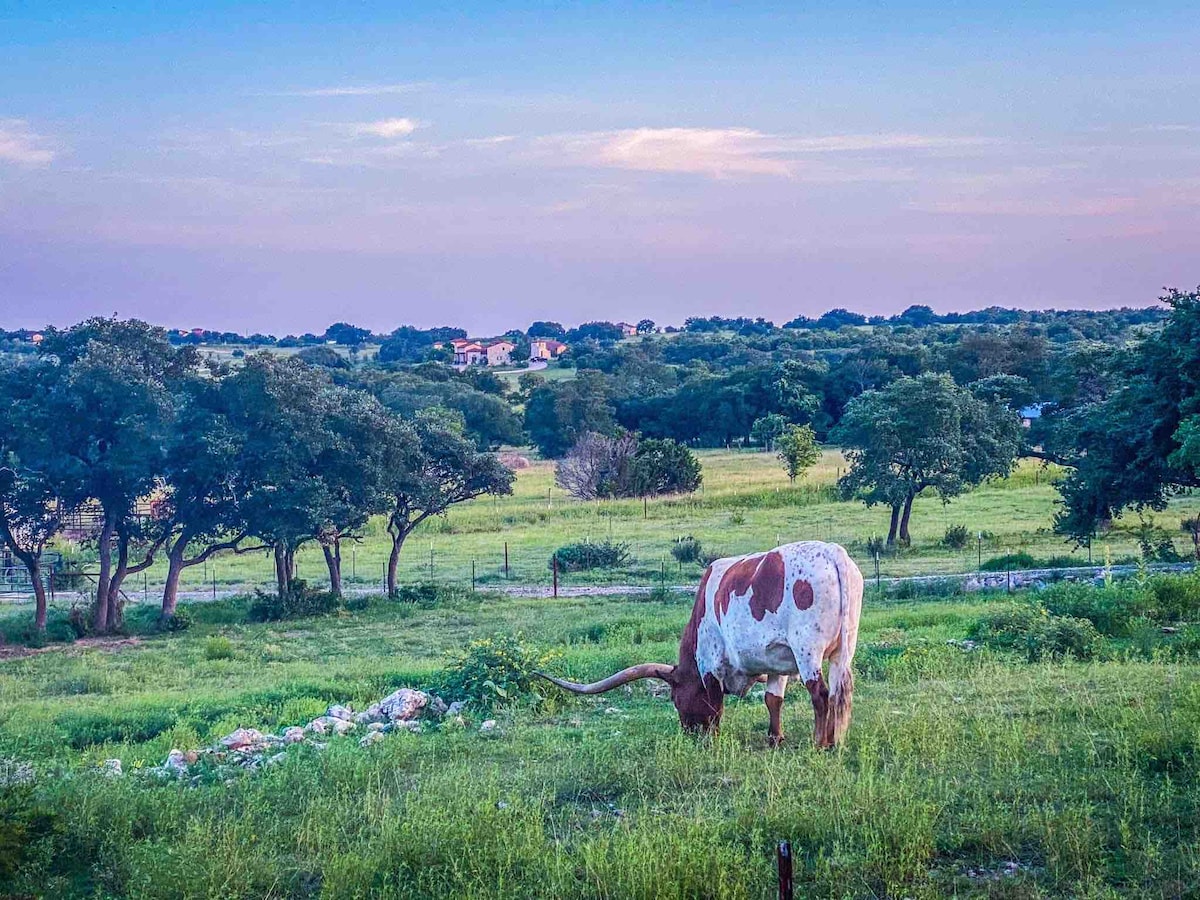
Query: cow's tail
{"points": [[841, 675]]}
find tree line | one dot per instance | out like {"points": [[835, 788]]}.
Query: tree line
{"points": [[268, 456]]}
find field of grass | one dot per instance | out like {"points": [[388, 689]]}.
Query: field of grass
{"points": [[968, 773], [746, 504]]}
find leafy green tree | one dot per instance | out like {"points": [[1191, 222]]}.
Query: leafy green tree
{"points": [[559, 413], [1134, 439], [645, 326], [547, 330], [441, 468], [663, 466], [767, 429], [109, 392], [322, 355], [918, 433], [346, 334], [797, 449]]}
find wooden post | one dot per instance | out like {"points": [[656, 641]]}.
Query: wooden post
{"points": [[214, 581], [431, 560], [783, 860], [506, 559], [554, 567]]}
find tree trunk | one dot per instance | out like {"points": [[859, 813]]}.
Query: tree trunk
{"points": [[39, 594], [333, 561], [100, 617], [175, 567], [283, 570], [895, 523], [394, 561], [905, 540], [116, 608]]}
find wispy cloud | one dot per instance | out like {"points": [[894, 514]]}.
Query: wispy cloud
{"points": [[728, 152], [20, 144], [361, 90], [387, 128]]}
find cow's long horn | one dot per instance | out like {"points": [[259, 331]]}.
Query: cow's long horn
{"points": [[633, 673]]}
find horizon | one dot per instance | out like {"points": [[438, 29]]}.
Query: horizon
{"points": [[232, 168]]}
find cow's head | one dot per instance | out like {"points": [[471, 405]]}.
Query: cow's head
{"points": [[699, 701]]}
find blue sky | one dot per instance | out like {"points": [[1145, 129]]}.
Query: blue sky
{"points": [[281, 166]]}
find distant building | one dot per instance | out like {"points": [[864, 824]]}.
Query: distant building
{"points": [[468, 353], [627, 329], [499, 353], [1031, 413], [546, 348]]}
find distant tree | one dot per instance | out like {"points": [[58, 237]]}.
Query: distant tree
{"points": [[559, 413], [797, 449], [766, 429], [663, 466], [1133, 439], [645, 326], [546, 330], [918, 433], [323, 356], [595, 331], [347, 335], [836, 318], [445, 333], [405, 345], [597, 465], [443, 469], [917, 316]]}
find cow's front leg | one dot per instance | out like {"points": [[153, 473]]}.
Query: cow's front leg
{"points": [[776, 686]]}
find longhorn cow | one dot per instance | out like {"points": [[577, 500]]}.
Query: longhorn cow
{"points": [[764, 617]]}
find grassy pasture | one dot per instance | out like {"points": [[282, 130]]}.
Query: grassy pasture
{"points": [[746, 504], [975, 774]]}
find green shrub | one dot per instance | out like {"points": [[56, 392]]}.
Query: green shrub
{"points": [[956, 537], [357, 604], [591, 555], [180, 620], [218, 647], [1174, 598], [1010, 561], [300, 602], [686, 549], [1038, 634], [427, 594], [27, 830], [494, 672], [83, 729], [1112, 608]]}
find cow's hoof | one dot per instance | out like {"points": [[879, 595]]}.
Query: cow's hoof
{"points": [[774, 740]]}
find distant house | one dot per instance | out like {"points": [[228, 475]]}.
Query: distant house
{"points": [[468, 353], [627, 329], [546, 348], [1031, 413], [37, 338], [499, 353]]}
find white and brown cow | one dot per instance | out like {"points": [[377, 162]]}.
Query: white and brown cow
{"points": [[764, 617]]}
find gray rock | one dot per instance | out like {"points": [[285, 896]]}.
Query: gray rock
{"points": [[488, 727], [242, 738], [403, 704], [457, 708], [112, 768], [176, 762], [372, 737], [294, 734], [340, 712], [437, 707]]}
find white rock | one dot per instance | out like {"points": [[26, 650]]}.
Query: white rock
{"points": [[456, 708], [294, 734], [373, 737], [112, 768], [376, 726], [242, 738], [340, 712], [405, 703], [488, 727], [176, 762], [342, 726], [612, 711]]}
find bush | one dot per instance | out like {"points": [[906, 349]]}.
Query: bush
{"points": [[426, 594], [1038, 634], [1175, 597], [956, 537], [494, 672], [218, 648], [299, 602], [686, 549], [180, 620], [1010, 561], [590, 555], [1112, 608]]}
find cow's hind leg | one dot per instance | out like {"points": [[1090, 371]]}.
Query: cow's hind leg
{"points": [[819, 691], [776, 686]]}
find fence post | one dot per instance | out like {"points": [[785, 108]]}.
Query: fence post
{"points": [[554, 568], [472, 576], [431, 560], [506, 560], [783, 861]]}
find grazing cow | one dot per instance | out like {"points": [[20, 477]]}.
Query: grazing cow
{"points": [[764, 617]]}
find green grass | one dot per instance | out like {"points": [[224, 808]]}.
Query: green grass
{"points": [[1082, 774], [746, 504]]}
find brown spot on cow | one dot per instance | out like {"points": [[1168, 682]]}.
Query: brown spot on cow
{"points": [[802, 594], [762, 576]]}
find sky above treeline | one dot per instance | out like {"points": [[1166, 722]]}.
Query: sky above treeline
{"points": [[279, 166]]}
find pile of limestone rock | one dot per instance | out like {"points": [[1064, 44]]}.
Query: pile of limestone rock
{"points": [[406, 709]]}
